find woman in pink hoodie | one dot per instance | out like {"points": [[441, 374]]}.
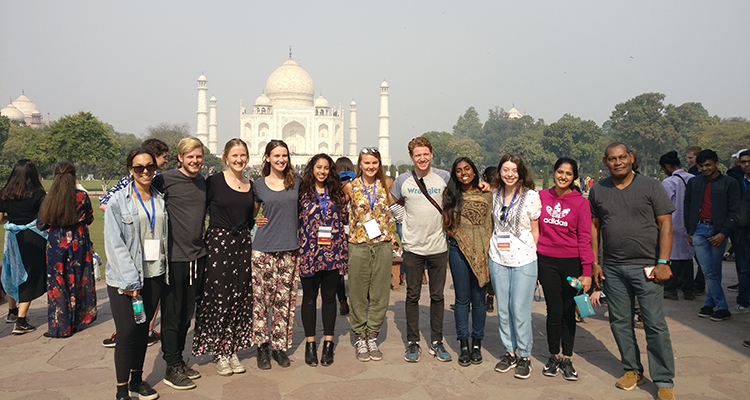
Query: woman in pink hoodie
{"points": [[564, 249]]}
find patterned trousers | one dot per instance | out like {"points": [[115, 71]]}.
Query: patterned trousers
{"points": [[275, 279]]}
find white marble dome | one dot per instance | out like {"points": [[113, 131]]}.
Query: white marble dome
{"points": [[321, 102], [263, 100], [25, 105], [290, 86], [13, 113]]}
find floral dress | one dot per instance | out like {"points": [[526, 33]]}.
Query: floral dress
{"points": [[71, 294], [314, 258]]}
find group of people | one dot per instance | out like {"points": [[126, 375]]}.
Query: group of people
{"points": [[47, 250], [313, 229]]}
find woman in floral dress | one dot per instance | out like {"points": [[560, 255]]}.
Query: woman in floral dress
{"points": [[71, 291]]}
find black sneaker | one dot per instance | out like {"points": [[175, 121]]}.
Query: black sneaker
{"points": [[176, 379], [280, 358], [568, 372], [506, 363], [144, 391], [111, 341], [719, 315], [264, 356], [153, 338], [189, 372], [746, 343], [734, 288], [12, 316], [706, 312], [688, 296], [523, 369], [671, 296], [23, 327], [551, 368]]}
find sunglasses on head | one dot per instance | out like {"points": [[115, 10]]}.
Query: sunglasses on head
{"points": [[502, 210], [371, 150], [138, 169]]}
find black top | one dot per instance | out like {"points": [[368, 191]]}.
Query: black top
{"points": [[228, 208], [21, 212], [725, 202], [186, 206]]}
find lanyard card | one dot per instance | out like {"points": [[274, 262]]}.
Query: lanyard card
{"points": [[372, 229], [151, 249], [503, 241], [324, 235]]}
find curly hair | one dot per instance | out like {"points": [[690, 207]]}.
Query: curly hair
{"points": [[453, 196], [525, 180]]}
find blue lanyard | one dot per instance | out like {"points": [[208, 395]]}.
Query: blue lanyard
{"points": [[151, 221], [374, 195], [744, 182], [507, 210], [323, 202]]}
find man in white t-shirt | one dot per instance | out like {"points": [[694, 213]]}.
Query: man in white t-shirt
{"points": [[425, 244]]}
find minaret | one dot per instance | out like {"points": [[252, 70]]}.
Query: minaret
{"points": [[212, 126], [352, 128], [383, 133], [201, 127]]}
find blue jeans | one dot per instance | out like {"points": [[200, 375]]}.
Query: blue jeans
{"points": [[710, 257], [623, 285], [468, 294], [514, 293]]}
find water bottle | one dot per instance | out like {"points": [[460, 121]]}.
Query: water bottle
{"points": [[138, 312], [574, 283]]}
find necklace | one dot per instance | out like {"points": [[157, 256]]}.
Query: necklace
{"points": [[238, 181]]}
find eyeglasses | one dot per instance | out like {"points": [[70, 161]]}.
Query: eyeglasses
{"points": [[371, 150], [744, 161], [138, 169]]}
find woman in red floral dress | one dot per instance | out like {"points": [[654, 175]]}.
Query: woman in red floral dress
{"points": [[71, 291]]}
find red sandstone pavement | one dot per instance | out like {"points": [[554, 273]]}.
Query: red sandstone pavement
{"points": [[710, 360]]}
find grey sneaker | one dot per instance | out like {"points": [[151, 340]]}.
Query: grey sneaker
{"points": [[361, 350], [523, 368], [189, 372], [12, 316], [551, 368], [506, 363], [23, 327], [223, 367], [568, 372], [438, 350], [412, 352], [234, 362], [738, 309], [372, 347]]}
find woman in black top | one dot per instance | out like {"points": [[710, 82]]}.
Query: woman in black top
{"points": [[20, 201], [224, 318]]}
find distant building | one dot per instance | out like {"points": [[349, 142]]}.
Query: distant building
{"points": [[514, 114], [24, 110]]}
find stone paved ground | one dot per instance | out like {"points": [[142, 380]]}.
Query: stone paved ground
{"points": [[711, 362]]}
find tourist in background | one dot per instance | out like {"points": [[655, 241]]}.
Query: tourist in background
{"points": [[224, 314], [25, 262], [513, 260], [71, 290], [467, 218], [323, 251], [564, 250], [370, 252], [135, 241], [274, 256], [345, 168], [487, 176]]}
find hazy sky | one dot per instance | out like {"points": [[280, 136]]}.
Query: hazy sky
{"points": [[135, 64]]}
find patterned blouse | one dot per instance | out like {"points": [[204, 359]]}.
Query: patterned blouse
{"points": [[362, 213], [314, 258], [473, 232]]}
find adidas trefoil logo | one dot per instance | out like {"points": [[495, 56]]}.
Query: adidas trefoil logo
{"points": [[556, 214]]}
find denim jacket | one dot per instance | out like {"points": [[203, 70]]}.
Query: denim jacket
{"points": [[122, 241]]}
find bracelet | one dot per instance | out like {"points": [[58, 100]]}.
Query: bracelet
{"points": [[663, 261], [595, 263]]}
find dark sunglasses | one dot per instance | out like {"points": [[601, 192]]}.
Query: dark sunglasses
{"points": [[138, 169], [371, 150], [502, 215]]}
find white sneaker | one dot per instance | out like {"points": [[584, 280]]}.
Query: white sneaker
{"points": [[223, 367], [738, 309], [234, 362]]}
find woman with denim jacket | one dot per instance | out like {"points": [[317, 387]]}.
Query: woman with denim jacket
{"points": [[135, 237]]}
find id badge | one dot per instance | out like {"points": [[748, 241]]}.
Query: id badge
{"points": [[503, 242], [151, 249], [324, 235], [372, 229]]}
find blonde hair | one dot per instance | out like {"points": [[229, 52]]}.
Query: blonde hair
{"points": [[189, 144], [236, 142]]}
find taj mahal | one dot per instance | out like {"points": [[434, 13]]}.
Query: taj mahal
{"points": [[288, 110]]}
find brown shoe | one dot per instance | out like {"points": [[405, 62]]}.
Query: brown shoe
{"points": [[665, 394], [630, 380], [343, 307]]}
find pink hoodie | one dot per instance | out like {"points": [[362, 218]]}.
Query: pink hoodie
{"points": [[565, 227]]}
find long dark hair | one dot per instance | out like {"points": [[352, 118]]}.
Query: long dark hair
{"points": [[574, 165], [332, 182], [524, 178], [453, 196], [23, 181], [288, 171], [59, 207]]}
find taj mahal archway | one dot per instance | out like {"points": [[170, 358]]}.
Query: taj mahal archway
{"points": [[294, 136]]}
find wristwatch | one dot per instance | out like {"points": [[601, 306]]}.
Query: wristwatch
{"points": [[663, 261]]}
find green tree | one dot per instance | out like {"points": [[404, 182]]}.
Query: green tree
{"points": [[468, 125], [528, 145], [462, 147], [80, 138], [171, 134], [439, 141], [572, 137], [725, 138], [5, 125]]}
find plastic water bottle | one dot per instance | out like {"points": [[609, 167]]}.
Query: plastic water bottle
{"points": [[574, 283], [138, 312]]}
